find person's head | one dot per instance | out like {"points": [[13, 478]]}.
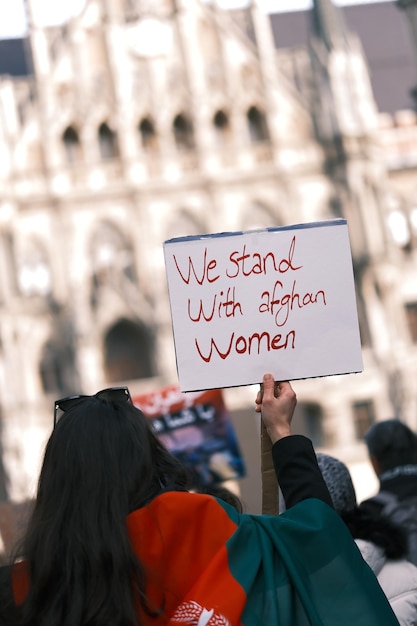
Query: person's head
{"points": [[390, 444], [339, 483], [101, 461], [362, 524], [100, 448]]}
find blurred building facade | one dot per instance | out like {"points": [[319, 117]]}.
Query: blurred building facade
{"points": [[140, 121]]}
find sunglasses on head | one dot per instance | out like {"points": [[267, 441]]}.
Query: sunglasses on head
{"points": [[112, 394]]}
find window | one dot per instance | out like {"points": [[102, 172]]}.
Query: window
{"points": [[108, 142], [148, 135], [310, 419], [72, 145], [222, 127], [258, 128], [183, 133], [411, 313], [363, 417]]}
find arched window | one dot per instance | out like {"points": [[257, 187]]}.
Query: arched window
{"points": [[108, 143], [258, 127], [128, 352], [222, 127], [72, 145], [148, 135], [183, 133], [411, 315]]}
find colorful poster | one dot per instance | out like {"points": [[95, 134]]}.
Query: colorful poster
{"points": [[197, 429]]}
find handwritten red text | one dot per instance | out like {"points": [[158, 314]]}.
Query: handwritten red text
{"points": [[281, 307], [222, 305], [241, 263], [248, 345], [204, 272], [246, 264]]}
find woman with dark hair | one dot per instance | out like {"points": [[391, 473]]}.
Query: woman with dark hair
{"points": [[101, 463], [115, 538]]}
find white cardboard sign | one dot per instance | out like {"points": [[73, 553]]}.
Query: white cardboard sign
{"points": [[279, 300]]}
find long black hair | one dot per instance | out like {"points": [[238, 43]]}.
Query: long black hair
{"points": [[101, 462]]}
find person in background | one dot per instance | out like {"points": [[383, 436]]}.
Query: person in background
{"points": [[392, 448], [116, 539], [382, 544]]}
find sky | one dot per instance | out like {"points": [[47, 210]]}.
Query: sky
{"points": [[13, 23]]}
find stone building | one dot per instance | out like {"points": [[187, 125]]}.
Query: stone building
{"points": [[140, 121]]}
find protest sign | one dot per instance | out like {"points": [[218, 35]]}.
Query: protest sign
{"points": [[197, 429], [279, 300]]}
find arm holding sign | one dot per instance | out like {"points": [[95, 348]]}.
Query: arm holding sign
{"points": [[295, 462]]}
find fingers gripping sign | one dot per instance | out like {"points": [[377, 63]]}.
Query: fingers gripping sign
{"points": [[276, 402]]}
